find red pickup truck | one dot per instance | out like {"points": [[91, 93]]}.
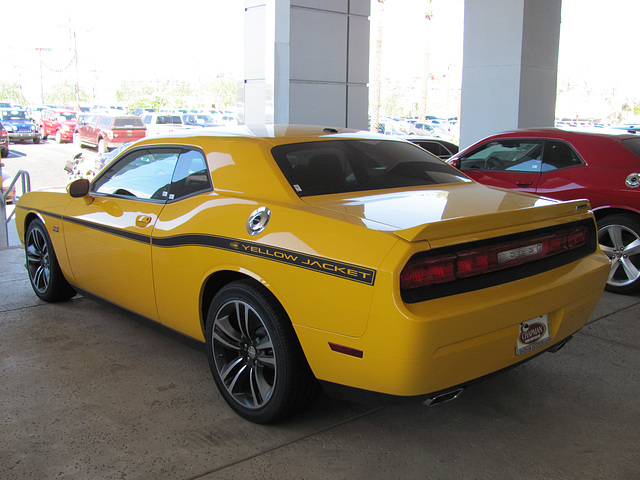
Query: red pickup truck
{"points": [[108, 131]]}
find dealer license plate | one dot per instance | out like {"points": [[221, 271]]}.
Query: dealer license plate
{"points": [[533, 334]]}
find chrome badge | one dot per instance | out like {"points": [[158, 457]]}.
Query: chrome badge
{"points": [[258, 220]]}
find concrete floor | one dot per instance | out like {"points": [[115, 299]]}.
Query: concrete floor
{"points": [[88, 392]]}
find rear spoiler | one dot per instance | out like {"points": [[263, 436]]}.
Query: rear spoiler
{"points": [[509, 219]]}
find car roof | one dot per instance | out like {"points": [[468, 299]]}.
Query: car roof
{"points": [[560, 133], [272, 134]]}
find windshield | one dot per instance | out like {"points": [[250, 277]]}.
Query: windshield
{"points": [[128, 122], [320, 168], [65, 117], [14, 115]]}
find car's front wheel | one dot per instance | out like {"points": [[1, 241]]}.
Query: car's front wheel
{"points": [[619, 238], [102, 146], [58, 136], [45, 275], [254, 354]]}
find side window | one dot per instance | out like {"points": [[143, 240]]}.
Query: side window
{"points": [[559, 155], [191, 175], [506, 155], [105, 122], [143, 174]]}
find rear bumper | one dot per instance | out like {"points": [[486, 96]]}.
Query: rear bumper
{"points": [[430, 347]]}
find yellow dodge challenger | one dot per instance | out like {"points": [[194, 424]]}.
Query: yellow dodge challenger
{"points": [[308, 257]]}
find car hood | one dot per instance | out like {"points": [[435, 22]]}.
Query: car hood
{"points": [[444, 211]]}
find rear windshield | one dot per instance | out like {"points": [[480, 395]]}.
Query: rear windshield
{"points": [[320, 168], [128, 122], [632, 144]]}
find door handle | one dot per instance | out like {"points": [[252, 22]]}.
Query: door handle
{"points": [[143, 220], [524, 184]]}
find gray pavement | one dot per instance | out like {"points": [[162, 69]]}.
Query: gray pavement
{"points": [[88, 392]]}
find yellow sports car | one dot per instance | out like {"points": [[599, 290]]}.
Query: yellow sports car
{"points": [[306, 256]]}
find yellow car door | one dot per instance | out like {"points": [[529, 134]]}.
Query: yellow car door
{"points": [[108, 237]]}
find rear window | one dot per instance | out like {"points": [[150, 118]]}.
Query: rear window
{"points": [[632, 144], [128, 122], [320, 168]]}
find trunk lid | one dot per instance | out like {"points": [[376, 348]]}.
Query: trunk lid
{"points": [[433, 214]]}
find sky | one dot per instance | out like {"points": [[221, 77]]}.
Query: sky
{"points": [[155, 41]]}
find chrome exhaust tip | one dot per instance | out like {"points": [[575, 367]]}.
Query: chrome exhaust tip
{"points": [[559, 345], [443, 397]]}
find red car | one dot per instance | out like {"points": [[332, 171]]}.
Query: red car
{"points": [[562, 164], [109, 131], [58, 123]]}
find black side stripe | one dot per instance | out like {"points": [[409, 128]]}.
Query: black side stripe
{"points": [[322, 265], [326, 266]]}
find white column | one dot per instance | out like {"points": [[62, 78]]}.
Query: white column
{"points": [[510, 66], [307, 62]]}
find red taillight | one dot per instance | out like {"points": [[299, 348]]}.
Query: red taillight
{"points": [[465, 263], [429, 271]]}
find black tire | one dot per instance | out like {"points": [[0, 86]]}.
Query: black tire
{"points": [[619, 238], [36, 140], [58, 136], [254, 355], [45, 275]]}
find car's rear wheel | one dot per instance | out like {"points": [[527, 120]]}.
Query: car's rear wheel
{"points": [[619, 238], [254, 354], [45, 275]]}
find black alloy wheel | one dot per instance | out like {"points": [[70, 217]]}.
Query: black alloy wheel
{"points": [[45, 275], [254, 355]]}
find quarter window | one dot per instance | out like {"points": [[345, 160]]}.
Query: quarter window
{"points": [[191, 175], [559, 155]]}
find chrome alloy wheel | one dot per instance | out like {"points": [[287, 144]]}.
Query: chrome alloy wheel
{"points": [[38, 260], [622, 245], [243, 354]]}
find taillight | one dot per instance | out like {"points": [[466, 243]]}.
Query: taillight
{"points": [[471, 262]]}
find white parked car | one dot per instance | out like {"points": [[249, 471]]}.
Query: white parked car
{"points": [[163, 123]]}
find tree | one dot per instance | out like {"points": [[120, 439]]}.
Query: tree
{"points": [[64, 94], [12, 92]]}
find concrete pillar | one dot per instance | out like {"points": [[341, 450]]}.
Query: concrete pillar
{"points": [[307, 62], [510, 66]]}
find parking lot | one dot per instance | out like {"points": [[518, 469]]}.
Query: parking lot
{"points": [[91, 392]]}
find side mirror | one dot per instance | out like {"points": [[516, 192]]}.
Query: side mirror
{"points": [[79, 188]]}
